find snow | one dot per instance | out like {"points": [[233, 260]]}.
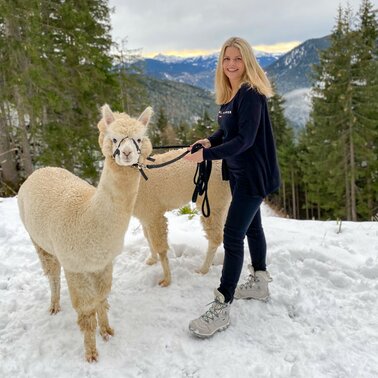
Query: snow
{"points": [[321, 320], [168, 58], [260, 53], [298, 107], [213, 58]]}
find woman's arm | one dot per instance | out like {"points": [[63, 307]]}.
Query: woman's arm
{"points": [[216, 138], [249, 115]]}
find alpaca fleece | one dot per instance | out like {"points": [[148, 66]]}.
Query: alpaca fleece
{"points": [[81, 228]]}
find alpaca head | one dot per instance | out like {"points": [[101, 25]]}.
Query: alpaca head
{"points": [[123, 137]]}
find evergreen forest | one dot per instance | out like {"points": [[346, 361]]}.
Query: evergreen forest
{"points": [[59, 65], [330, 171]]}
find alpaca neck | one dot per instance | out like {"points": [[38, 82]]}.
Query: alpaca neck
{"points": [[117, 188]]}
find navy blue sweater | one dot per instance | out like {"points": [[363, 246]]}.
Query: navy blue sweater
{"points": [[245, 141]]}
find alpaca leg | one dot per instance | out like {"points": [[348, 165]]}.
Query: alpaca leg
{"points": [[104, 284], [213, 227], [51, 267], [82, 288], [211, 250], [153, 258], [87, 323], [157, 233], [102, 315]]}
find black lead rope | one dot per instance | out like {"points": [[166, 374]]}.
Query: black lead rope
{"points": [[170, 147], [166, 162], [151, 166], [201, 177], [201, 180]]}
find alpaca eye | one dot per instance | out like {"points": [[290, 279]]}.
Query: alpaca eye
{"points": [[139, 140], [114, 140]]}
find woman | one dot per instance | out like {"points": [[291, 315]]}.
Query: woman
{"points": [[245, 142]]}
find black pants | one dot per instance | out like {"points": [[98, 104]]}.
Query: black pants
{"points": [[243, 218]]}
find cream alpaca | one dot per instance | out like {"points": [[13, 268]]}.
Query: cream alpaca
{"points": [[169, 188], [80, 227]]}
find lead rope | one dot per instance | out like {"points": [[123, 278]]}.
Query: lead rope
{"points": [[140, 166], [201, 180]]}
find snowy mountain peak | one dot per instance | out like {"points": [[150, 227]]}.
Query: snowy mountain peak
{"points": [[260, 54], [195, 70], [214, 56], [168, 58]]}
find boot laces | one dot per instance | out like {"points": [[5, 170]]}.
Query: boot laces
{"points": [[249, 283], [214, 311]]}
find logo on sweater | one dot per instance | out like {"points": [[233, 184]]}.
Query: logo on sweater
{"points": [[220, 113]]}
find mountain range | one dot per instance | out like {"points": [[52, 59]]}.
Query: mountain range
{"points": [[293, 70], [198, 71], [184, 86]]}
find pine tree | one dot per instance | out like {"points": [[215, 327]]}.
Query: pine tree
{"points": [[78, 61], [311, 168], [183, 133], [331, 133], [20, 70], [365, 110], [156, 129], [56, 72], [284, 135], [9, 177], [342, 132], [204, 127], [128, 68]]}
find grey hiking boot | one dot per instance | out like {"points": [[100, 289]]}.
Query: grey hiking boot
{"points": [[216, 318], [256, 286]]}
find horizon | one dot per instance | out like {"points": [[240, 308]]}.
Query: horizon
{"points": [[276, 48]]}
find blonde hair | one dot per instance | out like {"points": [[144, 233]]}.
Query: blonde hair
{"points": [[254, 76]]}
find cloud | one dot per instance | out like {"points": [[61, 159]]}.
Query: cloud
{"points": [[173, 25]]}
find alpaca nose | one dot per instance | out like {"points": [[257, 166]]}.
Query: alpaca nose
{"points": [[126, 153]]}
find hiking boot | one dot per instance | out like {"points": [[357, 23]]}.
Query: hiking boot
{"points": [[216, 318], [256, 286]]}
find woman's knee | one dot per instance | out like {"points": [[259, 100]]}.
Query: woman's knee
{"points": [[255, 233]]}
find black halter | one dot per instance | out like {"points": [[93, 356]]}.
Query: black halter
{"points": [[201, 177], [138, 165], [118, 152]]}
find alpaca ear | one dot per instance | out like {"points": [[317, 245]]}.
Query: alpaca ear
{"points": [[146, 116], [107, 114]]}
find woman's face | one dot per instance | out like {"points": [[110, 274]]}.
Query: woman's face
{"points": [[233, 65]]}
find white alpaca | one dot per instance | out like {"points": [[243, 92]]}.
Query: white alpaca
{"points": [[169, 188], [80, 227], [172, 187]]}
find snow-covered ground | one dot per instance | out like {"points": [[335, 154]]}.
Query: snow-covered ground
{"points": [[321, 320]]}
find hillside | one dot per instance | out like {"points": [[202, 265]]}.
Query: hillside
{"points": [[291, 73], [293, 70], [181, 102], [182, 86]]}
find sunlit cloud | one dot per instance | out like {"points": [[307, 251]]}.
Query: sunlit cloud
{"points": [[275, 48], [278, 47], [180, 53]]}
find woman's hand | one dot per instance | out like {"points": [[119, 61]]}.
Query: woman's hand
{"points": [[205, 143], [197, 157]]}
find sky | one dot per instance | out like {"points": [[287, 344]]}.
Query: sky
{"points": [[198, 27], [321, 320]]}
